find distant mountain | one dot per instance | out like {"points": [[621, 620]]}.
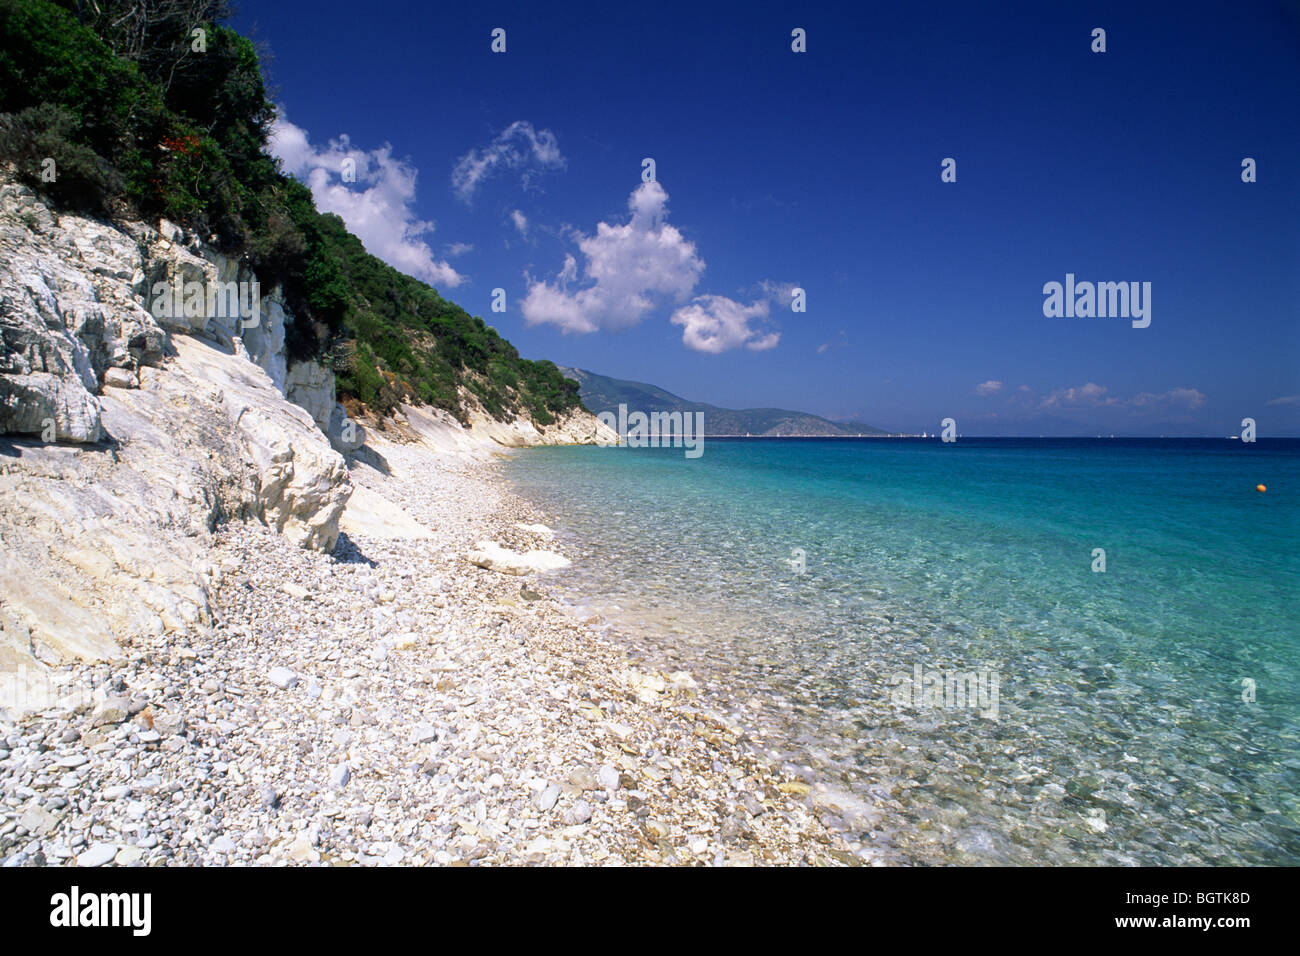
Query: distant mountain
{"points": [[600, 393]]}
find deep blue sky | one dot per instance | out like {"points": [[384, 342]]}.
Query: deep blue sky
{"points": [[821, 170]]}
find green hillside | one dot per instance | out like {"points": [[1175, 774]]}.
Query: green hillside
{"points": [[140, 124], [601, 393]]}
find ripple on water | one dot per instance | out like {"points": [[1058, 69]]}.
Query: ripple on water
{"points": [[1121, 736]]}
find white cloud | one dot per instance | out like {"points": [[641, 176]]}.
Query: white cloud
{"points": [[1284, 400], [628, 269], [377, 207], [518, 146], [1093, 395], [459, 249], [1188, 399], [520, 221], [991, 387], [714, 323], [1089, 395]]}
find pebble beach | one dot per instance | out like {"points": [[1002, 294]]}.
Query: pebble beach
{"points": [[391, 703]]}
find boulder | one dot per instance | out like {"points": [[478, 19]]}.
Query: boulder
{"points": [[493, 557]]}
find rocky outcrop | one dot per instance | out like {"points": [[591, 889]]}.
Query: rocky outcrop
{"points": [[135, 418], [133, 430], [68, 315]]}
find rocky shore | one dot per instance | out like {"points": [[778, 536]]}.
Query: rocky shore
{"points": [[236, 628], [391, 703]]}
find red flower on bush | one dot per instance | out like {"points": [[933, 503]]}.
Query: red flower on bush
{"points": [[186, 145]]}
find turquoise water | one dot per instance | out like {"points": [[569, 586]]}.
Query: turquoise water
{"points": [[1123, 731]]}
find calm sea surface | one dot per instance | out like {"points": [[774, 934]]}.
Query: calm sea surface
{"points": [[1147, 714]]}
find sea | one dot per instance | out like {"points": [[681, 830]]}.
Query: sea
{"points": [[980, 652]]}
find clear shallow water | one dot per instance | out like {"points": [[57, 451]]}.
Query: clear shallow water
{"points": [[1121, 733]]}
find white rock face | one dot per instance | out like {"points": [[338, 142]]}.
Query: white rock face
{"points": [[301, 484], [129, 431], [311, 386], [103, 531], [68, 314]]}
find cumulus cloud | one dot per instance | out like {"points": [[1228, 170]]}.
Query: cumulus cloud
{"points": [[628, 269], [991, 387], [715, 323], [518, 147], [377, 207]]}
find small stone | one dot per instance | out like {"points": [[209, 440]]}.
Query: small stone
{"points": [[97, 855], [115, 793], [300, 851], [129, 855], [340, 775], [608, 777], [423, 734], [74, 760], [38, 821], [113, 710], [270, 799], [282, 678], [580, 812], [168, 723], [545, 800], [751, 804], [223, 845]]}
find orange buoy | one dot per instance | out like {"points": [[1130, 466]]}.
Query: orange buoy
{"points": [[1260, 488]]}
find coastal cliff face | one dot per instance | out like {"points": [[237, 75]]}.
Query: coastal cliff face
{"points": [[126, 439], [135, 437]]}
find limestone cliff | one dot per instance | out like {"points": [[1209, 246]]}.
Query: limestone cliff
{"points": [[129, 431], [129, 438]]}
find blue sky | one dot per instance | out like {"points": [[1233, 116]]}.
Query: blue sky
{"points": [[821, 170]]}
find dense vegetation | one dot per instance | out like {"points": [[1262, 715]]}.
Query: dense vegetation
{"points": [[145, 118]]}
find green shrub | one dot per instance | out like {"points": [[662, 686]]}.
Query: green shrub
{"points": [[138, 123]]}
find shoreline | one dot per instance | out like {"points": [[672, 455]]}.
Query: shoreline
{"points": [[393, 704]]}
